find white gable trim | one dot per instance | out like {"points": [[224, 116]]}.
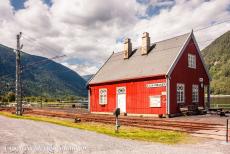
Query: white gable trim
{"points": [[201, 57], [173, 65]]}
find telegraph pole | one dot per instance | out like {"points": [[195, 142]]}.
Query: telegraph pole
{"points": [[18, 90]]}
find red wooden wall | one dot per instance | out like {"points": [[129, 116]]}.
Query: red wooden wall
{"points": [[183, 74], [137, 96]]}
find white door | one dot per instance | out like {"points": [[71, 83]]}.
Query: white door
{"points": [[121, 99]]}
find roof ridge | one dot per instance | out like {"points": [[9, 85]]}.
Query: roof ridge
{"points": [[157, 42], [172, 37]]}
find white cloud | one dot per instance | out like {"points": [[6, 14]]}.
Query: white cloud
{"points": [[87, 31], [82, 69]]}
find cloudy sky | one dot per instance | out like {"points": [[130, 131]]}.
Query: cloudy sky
{"points": [[88, 31]]}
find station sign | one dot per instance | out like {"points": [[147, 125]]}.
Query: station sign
{"points": [[155, 85]]}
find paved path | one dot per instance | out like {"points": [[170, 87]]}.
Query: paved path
{"points": [[25, 136]]}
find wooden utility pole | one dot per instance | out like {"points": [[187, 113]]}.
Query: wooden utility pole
{"points": [[18, 90]]}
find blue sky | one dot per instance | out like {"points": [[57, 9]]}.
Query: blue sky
{"points": [[154, 9], [88, 31], [19, 4]]}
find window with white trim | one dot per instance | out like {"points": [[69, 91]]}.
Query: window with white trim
{"points": [[180, 93], [191, 61], [103, 96], [195, 93]]}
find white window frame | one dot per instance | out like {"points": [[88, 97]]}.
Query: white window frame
{"points": [[180, 92], [121, 90], [103, 94], [195, 93], [192, 61]]}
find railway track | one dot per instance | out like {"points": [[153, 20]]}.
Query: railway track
{"points": [[169, 125], [150, 123]]}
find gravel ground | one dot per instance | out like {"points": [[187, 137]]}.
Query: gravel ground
{"points": [[28, 137], [207, 118]]}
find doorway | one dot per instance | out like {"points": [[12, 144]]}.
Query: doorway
{"points": [[121, 99]]}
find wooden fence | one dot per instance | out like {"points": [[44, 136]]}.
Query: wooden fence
{"points": [[79, 104], [223, 106]]}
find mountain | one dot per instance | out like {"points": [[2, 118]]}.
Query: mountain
{"points": [[217, 59], [41, 76], [87, 77]]}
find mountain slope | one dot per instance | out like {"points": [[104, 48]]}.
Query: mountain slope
{"points": [[46, 78], [87, 77], [217, 58]]}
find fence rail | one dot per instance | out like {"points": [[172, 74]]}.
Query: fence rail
{"points": [[66, 104], [224, 106], [60, 105]]}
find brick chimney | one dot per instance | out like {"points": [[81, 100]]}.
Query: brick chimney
{"points": [[145, 43], [127, 48]]}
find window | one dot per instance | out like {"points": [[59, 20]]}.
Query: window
{"points": [[191, 61], [102, 96], [195, 93], [180, 93], [121, 90]]}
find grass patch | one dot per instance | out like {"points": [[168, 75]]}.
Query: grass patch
{"points": [[167, 137]]}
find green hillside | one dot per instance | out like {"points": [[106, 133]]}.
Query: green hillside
{"points": [[217, 58], [46, 78]]}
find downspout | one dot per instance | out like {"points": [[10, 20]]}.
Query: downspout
{"points": [[89, 98], [168, 94], [208, 92]]}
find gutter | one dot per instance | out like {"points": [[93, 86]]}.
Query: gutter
{"points": [[168, 94], [128, 79]]}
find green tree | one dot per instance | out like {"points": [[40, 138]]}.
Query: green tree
{"points": [[10, 96]]}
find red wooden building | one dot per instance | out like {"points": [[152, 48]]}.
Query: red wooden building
{"points": [[155, 79]]}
